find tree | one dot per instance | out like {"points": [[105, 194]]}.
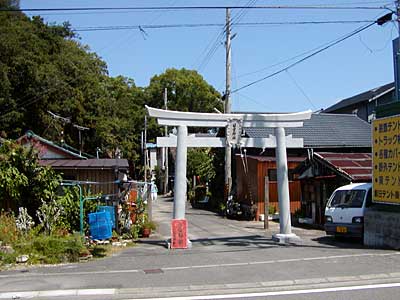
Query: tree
{"points": [[119, 118], [200, 163], [43, 68], [187, 91], [9, 4], [23, 182]]}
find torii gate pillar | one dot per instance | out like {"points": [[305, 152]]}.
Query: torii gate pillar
{"points": [[285, 226], [180, 185]]}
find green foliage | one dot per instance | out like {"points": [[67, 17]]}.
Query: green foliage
{"points": [[44, 67], [52, 249], [149, 224], [11, 4], [40, 247], [23, 182], [8, 228], [118, 113], [187, 91], [134, 231], [200, 163]]}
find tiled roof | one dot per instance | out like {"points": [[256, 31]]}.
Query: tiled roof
{"points": [[366, 96], [325, 131], [30, 135], [85, 164]]}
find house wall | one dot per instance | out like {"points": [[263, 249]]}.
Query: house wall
{"points": [[365, 109], [294, 188], [254, 182], [246, 181], [105, 175]]}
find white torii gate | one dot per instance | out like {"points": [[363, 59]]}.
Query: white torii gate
{"points": [[234, 124]]}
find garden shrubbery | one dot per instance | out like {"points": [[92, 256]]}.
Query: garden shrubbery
{"points": [[40, 247], [37, 222]]}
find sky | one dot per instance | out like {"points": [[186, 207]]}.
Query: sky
{"points": [[358, 64]]}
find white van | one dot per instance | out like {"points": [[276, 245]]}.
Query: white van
{"points": [[344, 212]]}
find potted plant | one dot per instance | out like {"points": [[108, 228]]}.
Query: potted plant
{"points": [[147, 227]]}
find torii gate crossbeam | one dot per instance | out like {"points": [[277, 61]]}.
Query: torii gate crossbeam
{"points": [[182, 141]]}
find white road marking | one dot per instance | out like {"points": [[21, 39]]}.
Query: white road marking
{"points": [[282, 284], [282, 293], [57, 293]]}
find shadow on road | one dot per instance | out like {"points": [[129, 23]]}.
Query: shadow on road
{"points": [[341, 242]]}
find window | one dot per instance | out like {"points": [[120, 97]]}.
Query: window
{"points": [[348, 198]]}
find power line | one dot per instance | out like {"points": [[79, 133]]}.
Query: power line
{"points": [[249, 24], [305, 58], [298, 7], [383, 5], [300, 89]]}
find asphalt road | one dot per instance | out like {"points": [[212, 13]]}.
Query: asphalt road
{"points": [[229, 259]]}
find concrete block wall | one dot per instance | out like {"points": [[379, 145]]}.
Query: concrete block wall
{"points": [[382, 229]]}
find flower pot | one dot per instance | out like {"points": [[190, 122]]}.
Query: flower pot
{"points": [[146, 232]]}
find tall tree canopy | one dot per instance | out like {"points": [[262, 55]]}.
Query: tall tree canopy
{"points": [[9, 4], [187, 91], [44, 68]]}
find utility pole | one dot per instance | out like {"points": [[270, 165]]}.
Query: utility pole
{"points": [[166, 171], [80, 128], [145, 148], [228, 150]]}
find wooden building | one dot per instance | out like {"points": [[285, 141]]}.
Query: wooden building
{"points": [[251, 173], [343, 134], [74, 166], [104, 173]]}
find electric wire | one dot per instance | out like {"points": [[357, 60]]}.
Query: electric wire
{"points": [[245, 24], [264, 7], [360, 29], [296, 56], [300, 88]]}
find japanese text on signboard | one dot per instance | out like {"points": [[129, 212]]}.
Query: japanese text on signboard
{"points": [[178, 234], [386, 160]]}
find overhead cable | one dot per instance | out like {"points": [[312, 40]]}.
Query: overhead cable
{"points": [[306, 58], [167, 26], [298, 7]]}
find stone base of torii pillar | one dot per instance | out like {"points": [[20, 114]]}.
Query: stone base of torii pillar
{"points": [[284, 239]]}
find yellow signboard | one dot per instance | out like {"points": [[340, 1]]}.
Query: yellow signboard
{"points": [[386, 160]]}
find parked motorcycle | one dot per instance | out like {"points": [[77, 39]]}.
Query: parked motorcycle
{"points": [[233, 209]]}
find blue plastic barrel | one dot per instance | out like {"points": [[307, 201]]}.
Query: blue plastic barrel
{"points": [[110, 210], [100, 225]]}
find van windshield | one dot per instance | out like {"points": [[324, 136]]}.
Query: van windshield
{"points": [[349, 198]]}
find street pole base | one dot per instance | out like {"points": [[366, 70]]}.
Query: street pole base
{"points": [[286, 238]]}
